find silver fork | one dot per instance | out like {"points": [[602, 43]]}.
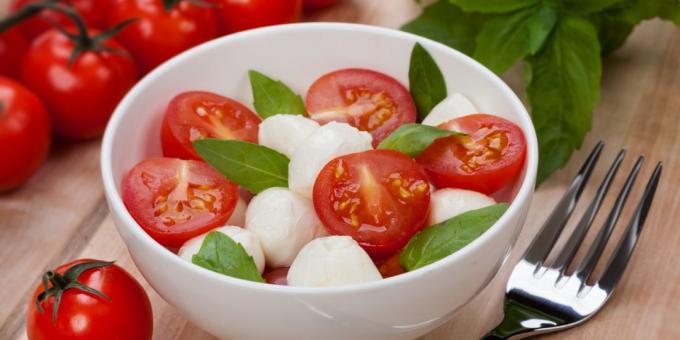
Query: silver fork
{"points": [[543, 298]]}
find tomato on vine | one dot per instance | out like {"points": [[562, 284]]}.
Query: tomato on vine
{"points": [[89, 299], [13, 48], [92, 11]]}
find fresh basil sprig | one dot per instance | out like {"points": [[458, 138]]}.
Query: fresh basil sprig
{"points": [[562, 43], [412, 139], [441, 240], [223, 255], [252, 166], [426, 81], [273, 97]]}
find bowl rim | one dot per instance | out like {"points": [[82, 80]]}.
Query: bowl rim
{"points": [[117, 206]]}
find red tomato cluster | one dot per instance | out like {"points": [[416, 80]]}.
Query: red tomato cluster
{"points": [[79, 79]]}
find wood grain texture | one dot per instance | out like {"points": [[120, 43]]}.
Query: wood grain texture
{"points": [[60, 215]]}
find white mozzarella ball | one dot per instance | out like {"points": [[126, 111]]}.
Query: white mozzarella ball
{"points": [[450, 108], [328, 142], [447, 203], [245, 238], [332, 261], [285, 133], [238, 217], [284, 222]]}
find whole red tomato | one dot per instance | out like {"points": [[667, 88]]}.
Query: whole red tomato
{"points": [[24, 133], [93, 11], [115, 307], [240, 15], [13, 47], [80, 94], [161, 33], [319, 4]]}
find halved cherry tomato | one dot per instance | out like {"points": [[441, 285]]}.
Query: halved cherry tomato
{"points": [[278, 276], [175, 200], [378, 197], [196, 115], [319, 4], [24, 133], [240, 15], [160, 33], [92, 11], [487, 159], [368, 100], [13, 48], [391, 266], [124, 312]]}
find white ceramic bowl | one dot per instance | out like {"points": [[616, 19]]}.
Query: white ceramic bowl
{"points": [[405, 306]]}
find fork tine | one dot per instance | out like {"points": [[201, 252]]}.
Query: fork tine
{"points": [[624, 250], [552, 227], [585, 269], [567, 253]]}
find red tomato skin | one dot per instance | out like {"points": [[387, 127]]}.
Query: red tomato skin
{"points": [[139, 195], [240, 15], [180, 115], [411, 217], [159, 35], [278, 276], [313, 5], [80, 97], [82, 315], [443, 168], [24, 134], [329, 91], [13, 48], [92, 11]]}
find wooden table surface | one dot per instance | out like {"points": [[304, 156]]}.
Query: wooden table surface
{"points": [[60, 215]]}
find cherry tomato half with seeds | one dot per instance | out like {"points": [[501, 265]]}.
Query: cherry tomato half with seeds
{"points": [[24, 134], [159, 33], [80, 94], [195, 115], [487, 159], [379, 197], [92, 11], [13, 48], [174, 200], [116, 307], [366, 99], [240, 15]]}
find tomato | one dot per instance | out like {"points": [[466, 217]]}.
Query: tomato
{"points": [[240, 15], [278, 276], [368, 100], [175, 200], [487, 159], [318, 4], [196, 115], [123, 312], [391, 266], [160, 34], [378, 197], [92, 11], [80, 96], [24, 134], [13, 48]]}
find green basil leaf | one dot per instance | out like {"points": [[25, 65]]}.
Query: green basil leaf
{"points": [[613, 32], [273, 97], [564, 89], [223, 255], [493, 6], [426, 81], [448, 24], [591, 6], [506, 39], [412, 139], [670, 10], [441, 240], [252, 166]]}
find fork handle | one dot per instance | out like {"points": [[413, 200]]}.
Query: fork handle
{"points": [[521, 321]]}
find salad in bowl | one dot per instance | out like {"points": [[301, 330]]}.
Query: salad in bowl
{"points": [[382, 180]]}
